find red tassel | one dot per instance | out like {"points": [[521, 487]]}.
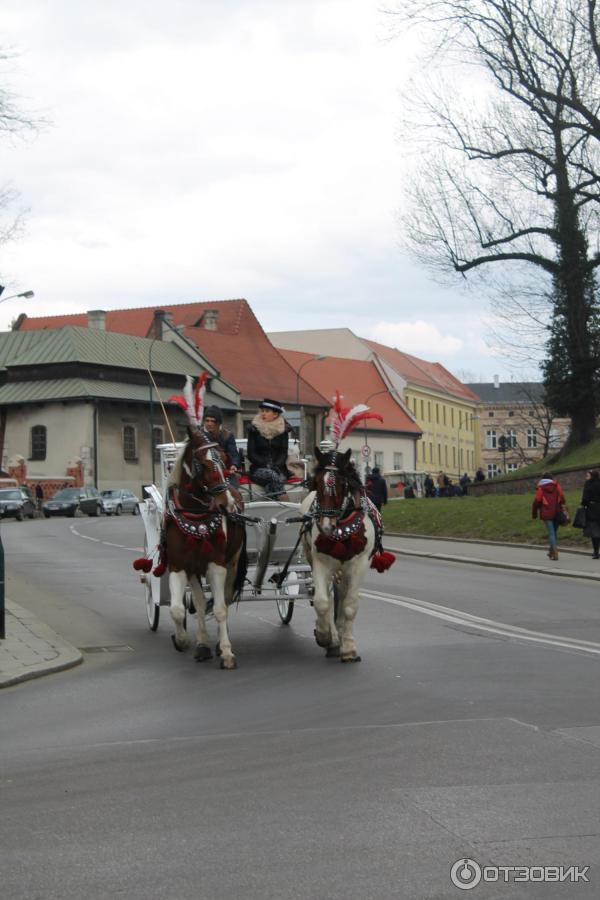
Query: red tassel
{"points": [[142, 564], [383, 561], [358, 543], [159, 570], [339, 550], [220, 537], [190, 541]]}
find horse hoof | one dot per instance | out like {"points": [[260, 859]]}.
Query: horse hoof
{"points": [[202, 652], [350, 659], [321, 640], [179, 647], [229, 663], [218, 649], [332, 651]]}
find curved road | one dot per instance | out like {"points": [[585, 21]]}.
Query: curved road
{"points": [[145, 774]]}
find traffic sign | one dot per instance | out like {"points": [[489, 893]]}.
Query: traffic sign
{"points": [[365, 450]]}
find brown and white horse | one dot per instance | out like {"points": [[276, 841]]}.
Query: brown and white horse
{"points": [[338, 544], [204, 538]]}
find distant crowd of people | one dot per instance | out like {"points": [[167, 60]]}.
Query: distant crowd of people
{"points": [[443, 486]]}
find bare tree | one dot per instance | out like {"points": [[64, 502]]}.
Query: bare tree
{"points": [[515, 182], [14, 121]]}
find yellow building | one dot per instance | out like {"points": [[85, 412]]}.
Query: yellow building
{"points": [[445, 409]]}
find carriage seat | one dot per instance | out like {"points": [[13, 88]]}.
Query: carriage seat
{"points": [[251, 492], [287, 535]]}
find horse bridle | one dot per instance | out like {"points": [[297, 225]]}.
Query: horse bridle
{"points": [[329, 483], [215, 459]]}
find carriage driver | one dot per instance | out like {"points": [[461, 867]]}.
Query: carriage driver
{"points": [[268, 448], [213, 425]]}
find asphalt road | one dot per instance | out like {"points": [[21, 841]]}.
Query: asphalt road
{"points": [[144, 774]]}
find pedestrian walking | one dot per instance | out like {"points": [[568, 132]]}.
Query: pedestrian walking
{"points": [[39, 495], [549, 502], [429, 486], [591, 500], [377, 488]]}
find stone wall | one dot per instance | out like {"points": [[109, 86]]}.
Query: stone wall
{"points": [[572, 477]]}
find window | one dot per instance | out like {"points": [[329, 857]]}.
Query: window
{"points": [[511, 467], [491, 441], [379, 459], [38, 442], [422, 409], [398, 462], [444, 414], [440, 453], [511, 413], [452, 417], [157, 438], [491, 414], [531, 438], [511, 437], [446, 453], [429, 411], [437, 413], [129, 442], [492, 470], [430, 452], [554, 438], [454, 457]]}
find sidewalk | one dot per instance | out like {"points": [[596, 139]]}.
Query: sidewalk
{"points": [[31, 649], [572, 563]]}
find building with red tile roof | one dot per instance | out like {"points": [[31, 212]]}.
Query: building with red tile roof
{"points": [[229, 335], [393, 442]]}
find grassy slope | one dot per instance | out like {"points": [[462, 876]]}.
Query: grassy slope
{"points": [[588, 455], [496, 517]]}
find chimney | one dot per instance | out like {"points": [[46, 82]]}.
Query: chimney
{"points": [[97, 319], [497, 382], [210, 319], [161, 323]]}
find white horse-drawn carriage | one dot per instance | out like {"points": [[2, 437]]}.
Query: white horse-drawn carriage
{"points": [[272, 547], [204, 546]]}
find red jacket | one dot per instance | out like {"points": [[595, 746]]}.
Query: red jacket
{"points": [[549, 497]]}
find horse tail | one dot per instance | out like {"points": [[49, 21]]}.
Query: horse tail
{"points": [[242, 568]]}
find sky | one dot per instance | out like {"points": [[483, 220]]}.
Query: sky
{"points": [[217, 149]]}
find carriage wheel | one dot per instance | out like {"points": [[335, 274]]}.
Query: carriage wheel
{"points": [[285, 605], [152, 609]]}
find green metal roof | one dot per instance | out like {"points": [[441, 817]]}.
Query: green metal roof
{"points": [[88, 389], [96, 347]]}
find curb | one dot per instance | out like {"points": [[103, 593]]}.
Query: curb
{"points": [[460, 540], [542, 570], [57, 656]]}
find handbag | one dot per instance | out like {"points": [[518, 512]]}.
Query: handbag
{"points": [[562, 516], [580, 517]]}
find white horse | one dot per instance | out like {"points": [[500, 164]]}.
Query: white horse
{"points": [[203, 538], [338, 545]]}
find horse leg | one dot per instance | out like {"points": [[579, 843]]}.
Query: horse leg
{"points": [[217, 576], [202, 651], [177, 584], [325, 631], [349, 591]]}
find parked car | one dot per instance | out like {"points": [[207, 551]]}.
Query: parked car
{"points": [[119, 501], [67, 501], [13, 503]]}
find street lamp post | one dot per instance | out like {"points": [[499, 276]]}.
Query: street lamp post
{"points": [[317, 358], [26, 295]]}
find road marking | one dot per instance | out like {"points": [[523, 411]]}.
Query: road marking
{"points": [[106, 543], [490, 626]]}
